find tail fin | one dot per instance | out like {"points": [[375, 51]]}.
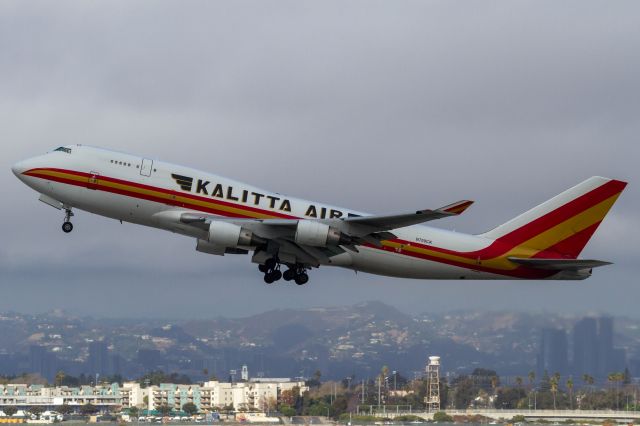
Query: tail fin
{"points": [[562, 226]]}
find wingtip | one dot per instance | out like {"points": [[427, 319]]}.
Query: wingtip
{"points": [[457, 208]]}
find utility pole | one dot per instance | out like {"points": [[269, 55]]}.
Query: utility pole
{"points": [[362, 392], [379, 390]]}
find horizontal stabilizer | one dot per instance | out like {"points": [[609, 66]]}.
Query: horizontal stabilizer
{"points": [[559, 264]]}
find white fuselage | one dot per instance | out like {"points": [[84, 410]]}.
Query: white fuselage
{"points": [[148, 178]]}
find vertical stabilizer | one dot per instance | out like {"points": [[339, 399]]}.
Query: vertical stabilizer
{"points": [[562, 226]]}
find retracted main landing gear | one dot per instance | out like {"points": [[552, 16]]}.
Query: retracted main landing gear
{"points": [[272, 273], [67, 226]]}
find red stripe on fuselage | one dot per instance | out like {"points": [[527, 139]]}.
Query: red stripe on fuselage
{"points": [[213, 200], [497, 248], [519, 272], [507, 242]]}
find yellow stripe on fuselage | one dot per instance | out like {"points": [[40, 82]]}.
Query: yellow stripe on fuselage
{"points": [[170, 198], [529, 248]]}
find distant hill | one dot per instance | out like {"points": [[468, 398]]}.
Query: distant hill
{"points": [[339, 341]]}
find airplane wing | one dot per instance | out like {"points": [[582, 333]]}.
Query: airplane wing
{"points": [[279, 235], [389, 222], [559, 264]]}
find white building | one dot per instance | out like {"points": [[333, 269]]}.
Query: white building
{"points": [[104, 397], [214, 395], [244, 375], [133, 395], [256, 395]]}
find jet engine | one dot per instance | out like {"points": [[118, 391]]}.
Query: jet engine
{"points": [[227, 234], [316, 234], [225, 237]]}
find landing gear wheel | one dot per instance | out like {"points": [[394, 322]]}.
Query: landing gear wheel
{"points": [[276, 275], [67, 226], [263, 269], [268, 278], [289, 275], [302, 278]]}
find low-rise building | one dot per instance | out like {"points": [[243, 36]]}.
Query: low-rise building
{"points": [[105, 397], [254, 395], [133, 395], [260, 395]]}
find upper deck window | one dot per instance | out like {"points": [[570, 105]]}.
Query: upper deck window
{"points": [[63, 149]]}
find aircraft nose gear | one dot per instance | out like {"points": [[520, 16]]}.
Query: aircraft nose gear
{"points": [[67, 226]]}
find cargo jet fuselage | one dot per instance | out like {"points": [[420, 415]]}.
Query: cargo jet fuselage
{"points": [[229, 217]]}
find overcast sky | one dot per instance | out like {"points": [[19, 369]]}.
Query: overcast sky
{"points": [[377, 106]]}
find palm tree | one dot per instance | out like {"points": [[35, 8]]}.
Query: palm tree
{"points": [[616, 378], [384, 372], [570, 388], [553, 381], [494, 383], [519, 381], [588, 380], [532, 378], [59, 378]]}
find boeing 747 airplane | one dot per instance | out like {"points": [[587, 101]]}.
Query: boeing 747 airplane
{"points": [[288, 236]]}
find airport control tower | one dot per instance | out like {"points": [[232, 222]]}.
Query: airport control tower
{"points": [[432, 400]]}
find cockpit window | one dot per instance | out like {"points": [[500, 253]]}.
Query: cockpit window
{"points": [[63, 149]]}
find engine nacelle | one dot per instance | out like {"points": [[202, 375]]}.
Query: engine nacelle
{"points": [[316, 234], [225, 234]]}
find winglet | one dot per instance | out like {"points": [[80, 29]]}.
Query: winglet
{"points": [[456, 208]]}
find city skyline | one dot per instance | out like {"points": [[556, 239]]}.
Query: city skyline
{"points": [[297, 343]]}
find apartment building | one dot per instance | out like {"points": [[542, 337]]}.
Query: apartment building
{"points": [[260, 395]]}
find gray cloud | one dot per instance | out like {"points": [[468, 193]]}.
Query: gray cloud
{"points": [[379, 106]]}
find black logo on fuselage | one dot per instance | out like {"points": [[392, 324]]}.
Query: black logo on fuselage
{"points": [[244, 196], [185, 182]]}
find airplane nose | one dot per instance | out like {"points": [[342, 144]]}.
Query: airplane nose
{"points": [[18, 168]]}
